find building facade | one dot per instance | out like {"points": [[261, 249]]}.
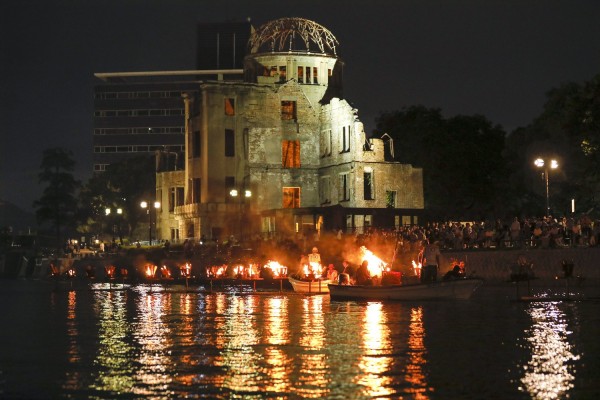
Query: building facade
{"points": [[281, 152]]}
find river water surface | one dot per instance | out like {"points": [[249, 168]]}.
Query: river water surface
{"points": [[161, 343]]}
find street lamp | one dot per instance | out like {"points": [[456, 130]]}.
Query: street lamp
{"points": [[236, 194], [146, 206], [119, 212], [541, 163]]}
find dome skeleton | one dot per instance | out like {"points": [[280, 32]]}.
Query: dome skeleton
{"points": [[277, 33]]}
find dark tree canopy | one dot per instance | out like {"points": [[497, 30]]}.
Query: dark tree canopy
{"points": [[568, 130], [58, 203], [461, 157], [123, 185]]}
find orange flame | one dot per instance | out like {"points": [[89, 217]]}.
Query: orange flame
{"points": [[416, 268], [216, 271], [376, 265], [165, 272], [278, 269], [151, 270], [186, 270], [110, 271]]}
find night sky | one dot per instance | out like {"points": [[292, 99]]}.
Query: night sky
{"points": [[496, 58]]}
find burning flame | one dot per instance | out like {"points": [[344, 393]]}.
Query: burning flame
{"points": [[216, 271], [186, 270], [417, 268], [376, 265], [110, 271], [313, 268], [151, 270], [279, 270], [165, 272]]}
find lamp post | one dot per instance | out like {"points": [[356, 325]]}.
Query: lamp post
{"points": [[119, 212], [541, 163], [146, 206], [247, 194]]}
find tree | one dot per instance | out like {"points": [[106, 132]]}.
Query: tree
{"points": [[568, 129], [58, 202], [123, 185], [461, 157]]}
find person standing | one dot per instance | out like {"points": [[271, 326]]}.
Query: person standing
{"points": [[431, 262]]}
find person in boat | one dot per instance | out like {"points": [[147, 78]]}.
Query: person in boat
{"points": [[454, 273], [363, 276], [332, 274], [346, 274], [431, 262], [314, 256]]}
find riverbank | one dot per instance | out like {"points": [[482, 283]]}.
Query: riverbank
{"points": [[495, 265]]}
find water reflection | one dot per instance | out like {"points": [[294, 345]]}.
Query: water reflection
{"points": [[415, 376], [113, 358], [240, 337], [73, 376], [376, 359], [312, 374], [154, 338], [277, 336], [549, 374]]}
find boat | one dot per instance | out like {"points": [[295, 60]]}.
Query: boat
{"points": [[310, 286], [461, 289]]}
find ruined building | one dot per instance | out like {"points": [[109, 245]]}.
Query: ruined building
{"points": [[282, 152]]}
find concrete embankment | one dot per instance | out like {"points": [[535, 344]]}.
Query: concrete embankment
{"points": [[495, 265]]}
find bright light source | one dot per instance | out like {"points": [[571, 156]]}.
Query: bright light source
{"points": [[553, 164], [233, 193], [539, 162], [144, 204], [248, 193], [157, 204], [107, 211], [119, 211]]}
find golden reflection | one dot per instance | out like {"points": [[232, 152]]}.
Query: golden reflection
{"points": [[549, 374], [376, 343], [277, 335], [238, 354], [416, 360], [73, 377], [155, 340], [184, 338], [313, 381], [115, 366]]}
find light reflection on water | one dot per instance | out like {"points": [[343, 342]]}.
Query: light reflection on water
{"points": [[376, 347], [549, 373], [151, 342]]}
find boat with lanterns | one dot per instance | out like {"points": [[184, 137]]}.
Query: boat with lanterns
{"points": [[389, 285], [458, 289], [310, 279]]}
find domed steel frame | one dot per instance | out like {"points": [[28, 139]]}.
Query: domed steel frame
{"points": [[281, 33]]}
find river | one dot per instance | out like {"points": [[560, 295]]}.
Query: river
{"points": [[156, 342]]}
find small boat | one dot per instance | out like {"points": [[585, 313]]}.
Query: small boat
{"points": [[310, 286], [442, 290]]}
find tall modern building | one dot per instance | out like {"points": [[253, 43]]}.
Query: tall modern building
{"points": [[282, 151], [143, 112], [137, 114]]}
